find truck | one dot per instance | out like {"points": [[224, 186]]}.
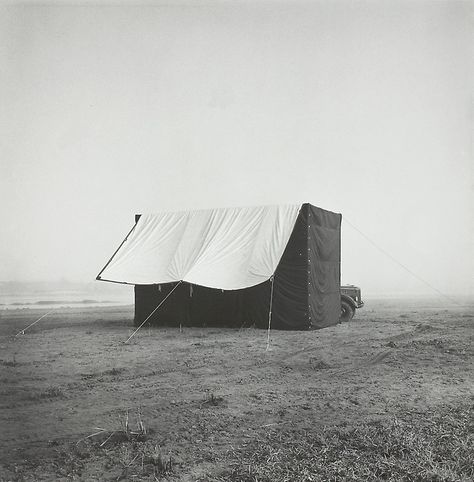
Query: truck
{"points": [[351, 300]]}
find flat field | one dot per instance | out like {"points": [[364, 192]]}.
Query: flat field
{"points": [[388, 396]]}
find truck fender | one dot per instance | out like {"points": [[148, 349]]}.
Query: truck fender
{"points": [[349, 300]]}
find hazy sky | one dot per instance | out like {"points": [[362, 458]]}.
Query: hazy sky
{"points": [[364, 108]]}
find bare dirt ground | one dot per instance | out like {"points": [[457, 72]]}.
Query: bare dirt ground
{"points": [[380, 394]]}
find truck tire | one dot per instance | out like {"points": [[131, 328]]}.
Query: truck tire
{"points": [[347, 311]]}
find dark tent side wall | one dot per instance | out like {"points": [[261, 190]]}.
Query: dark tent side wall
{"points": [[306, 287], [192, 305], [290, 291], [324, 266]]}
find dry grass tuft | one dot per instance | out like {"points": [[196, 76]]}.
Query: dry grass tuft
{"points": [[212, 400], [141, 461], [160, 464], [125, 433], [318, 364]]}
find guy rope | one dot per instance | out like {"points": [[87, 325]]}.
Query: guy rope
{"points": [[150, 315]]}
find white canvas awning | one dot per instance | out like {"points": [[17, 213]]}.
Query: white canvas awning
{"points": [[229, 249]]}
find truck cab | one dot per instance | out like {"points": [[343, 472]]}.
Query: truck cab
{"points": [[351, 300]]}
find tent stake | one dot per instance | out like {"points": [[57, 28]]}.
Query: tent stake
{"points": [[270, 316], [149, 316]]}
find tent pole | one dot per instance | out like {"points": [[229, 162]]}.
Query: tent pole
{"points": [[270, 314], [98, 278], [149, 316]]}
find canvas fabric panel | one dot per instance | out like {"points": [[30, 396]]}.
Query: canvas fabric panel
{"points": [[229, 249], [191, 305], [324, 266], [290, 291]]}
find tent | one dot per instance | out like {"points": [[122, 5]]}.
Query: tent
{"points": [[233, 267]]}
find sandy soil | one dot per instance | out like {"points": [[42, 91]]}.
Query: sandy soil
{"points": [[203, 392]]}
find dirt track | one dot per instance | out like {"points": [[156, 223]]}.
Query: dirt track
{"points": [[202, 392]]}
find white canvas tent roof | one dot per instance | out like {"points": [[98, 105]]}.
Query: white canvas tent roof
{"points": [[230, 248]]}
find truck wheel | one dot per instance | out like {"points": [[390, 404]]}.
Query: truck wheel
{"points": [[347, 311]]}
